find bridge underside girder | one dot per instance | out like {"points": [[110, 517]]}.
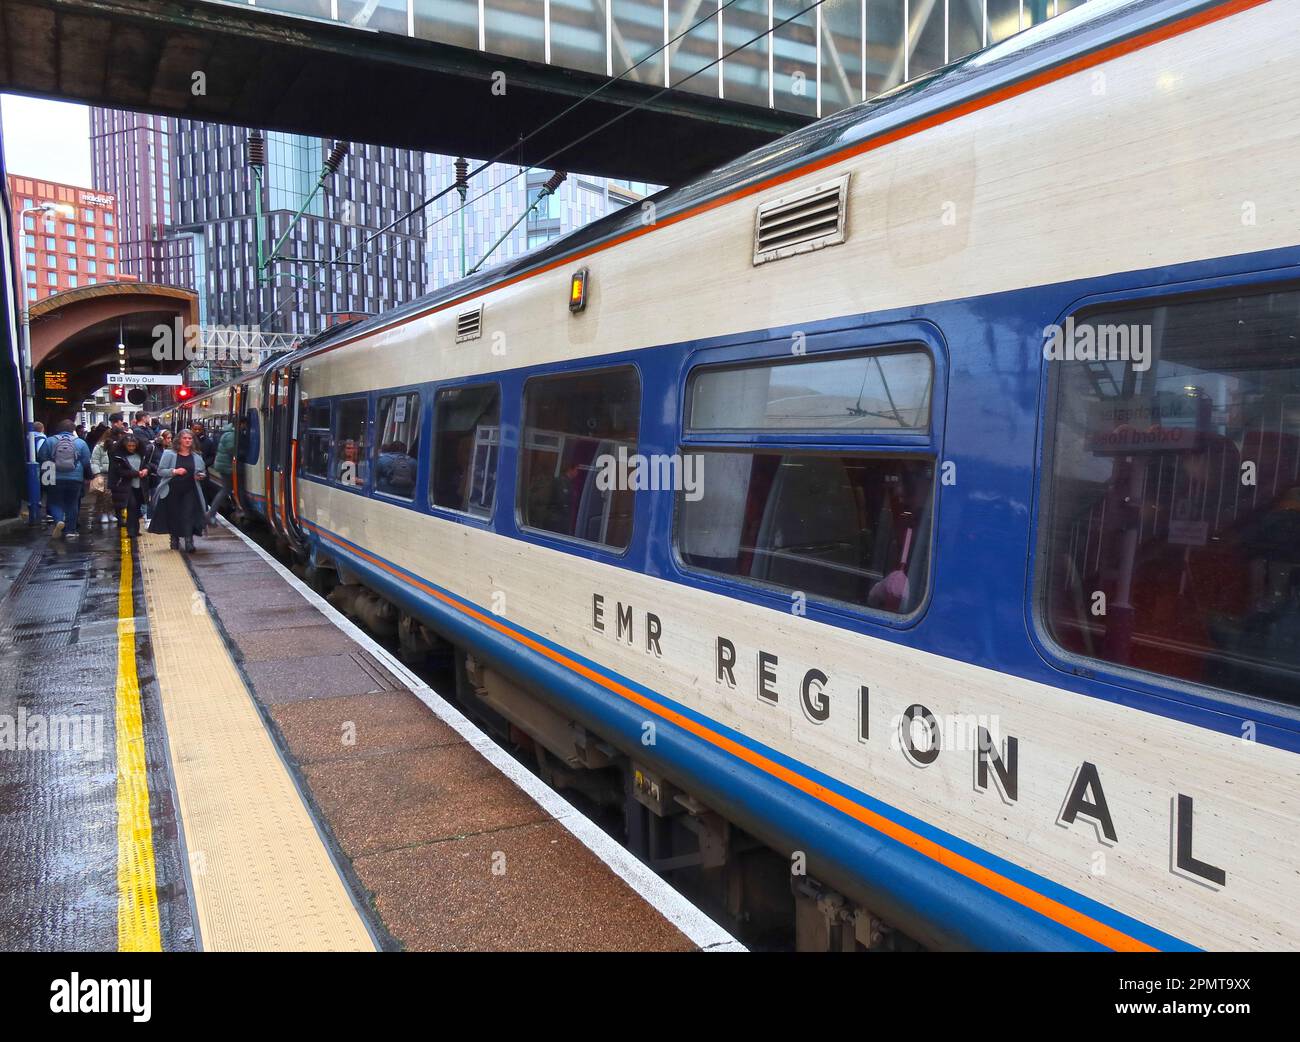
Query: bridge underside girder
{"points": [[248, 67]]}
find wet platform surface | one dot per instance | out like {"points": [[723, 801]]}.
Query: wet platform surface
{"points": [[437, 848], [59, 623]]}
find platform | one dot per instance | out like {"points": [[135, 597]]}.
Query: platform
{"points": [[197, 752]]}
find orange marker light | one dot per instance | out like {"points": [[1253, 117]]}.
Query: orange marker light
{"points": [[578, 290]]}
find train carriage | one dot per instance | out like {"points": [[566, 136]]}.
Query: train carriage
{"points": [[918, 496]]}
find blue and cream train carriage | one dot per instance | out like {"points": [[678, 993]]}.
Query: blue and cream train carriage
{"points": [[917, 497]]}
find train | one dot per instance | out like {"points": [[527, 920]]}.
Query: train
{"points": [[900, 524]]}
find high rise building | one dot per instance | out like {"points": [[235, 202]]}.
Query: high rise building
{"points": [[496, 199], [130, 153], [57, 252], [203, 232], [299, 291]]}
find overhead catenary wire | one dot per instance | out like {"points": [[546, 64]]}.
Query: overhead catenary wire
{"points": [[338, 257], [610, 122]]}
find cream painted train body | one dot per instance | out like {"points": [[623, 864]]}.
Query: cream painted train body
{"points": [[919, 494]]}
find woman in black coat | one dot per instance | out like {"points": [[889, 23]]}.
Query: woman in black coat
{"points": [[128, 479], [178, 506]]}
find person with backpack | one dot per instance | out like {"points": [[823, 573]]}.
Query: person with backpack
{"points": [[219, 471], [395, 473], [66, 458]]}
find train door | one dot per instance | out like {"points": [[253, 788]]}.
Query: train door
{"points": [[272, 409], [281, 456], [240, 421]]}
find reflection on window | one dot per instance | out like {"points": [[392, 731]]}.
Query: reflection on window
{"points": [[876, 392], [350, 440], [467, 444], [250, 438], [846, 528], [1174, 527], [399, 445], [316, 441], [570, 422]]}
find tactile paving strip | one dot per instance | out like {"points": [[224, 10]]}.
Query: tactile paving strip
{"points": [[262, 878]]}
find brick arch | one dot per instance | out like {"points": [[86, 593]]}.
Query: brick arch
{"points": [[77, 331]]}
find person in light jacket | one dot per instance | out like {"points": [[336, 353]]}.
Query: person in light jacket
{"points": [[178, 506], [101, 505]]}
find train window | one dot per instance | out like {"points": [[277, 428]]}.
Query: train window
{"points": [[351, 438], [398, 444], [571, 422], [250, 439], [882, 391], [316, 440], [466, 447], [843, 527], [1172, 511]]}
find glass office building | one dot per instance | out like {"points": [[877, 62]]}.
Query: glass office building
{"points": [[190, 206], [497, 198]]}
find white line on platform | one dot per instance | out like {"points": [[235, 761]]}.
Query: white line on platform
{"points": [[702, 930]]}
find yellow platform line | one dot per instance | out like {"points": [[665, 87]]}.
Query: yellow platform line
{"points": [[137, 893], [261, 877]]}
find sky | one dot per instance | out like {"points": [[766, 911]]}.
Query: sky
{"points": [[47, 139]]}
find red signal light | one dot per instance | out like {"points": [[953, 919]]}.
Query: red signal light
{"points": [[184, 394], [119, 393]]}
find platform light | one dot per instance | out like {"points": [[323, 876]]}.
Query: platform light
{"points": [[578, 290]]}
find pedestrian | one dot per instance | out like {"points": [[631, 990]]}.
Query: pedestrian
{"points": [[142, 429], [219, 471], [153, 455], [204, 443], [81, 431], [128, 478], [178, 506], [71, 467], [100, 430], [38, 439], [101, 501]]}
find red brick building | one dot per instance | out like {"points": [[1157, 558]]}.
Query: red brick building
{"points": [[63, 251]]}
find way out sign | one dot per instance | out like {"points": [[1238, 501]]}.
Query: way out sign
{"points": [[143, 379]]}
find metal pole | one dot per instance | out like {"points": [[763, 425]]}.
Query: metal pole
{"points": [[552, 183], [261, 226], [462, 189], [29, 409]]}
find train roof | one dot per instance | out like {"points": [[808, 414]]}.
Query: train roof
{"points": [[1092, 26]]}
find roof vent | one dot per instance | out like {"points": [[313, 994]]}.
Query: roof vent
{"points": [[799, 223], [469, 324]]}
